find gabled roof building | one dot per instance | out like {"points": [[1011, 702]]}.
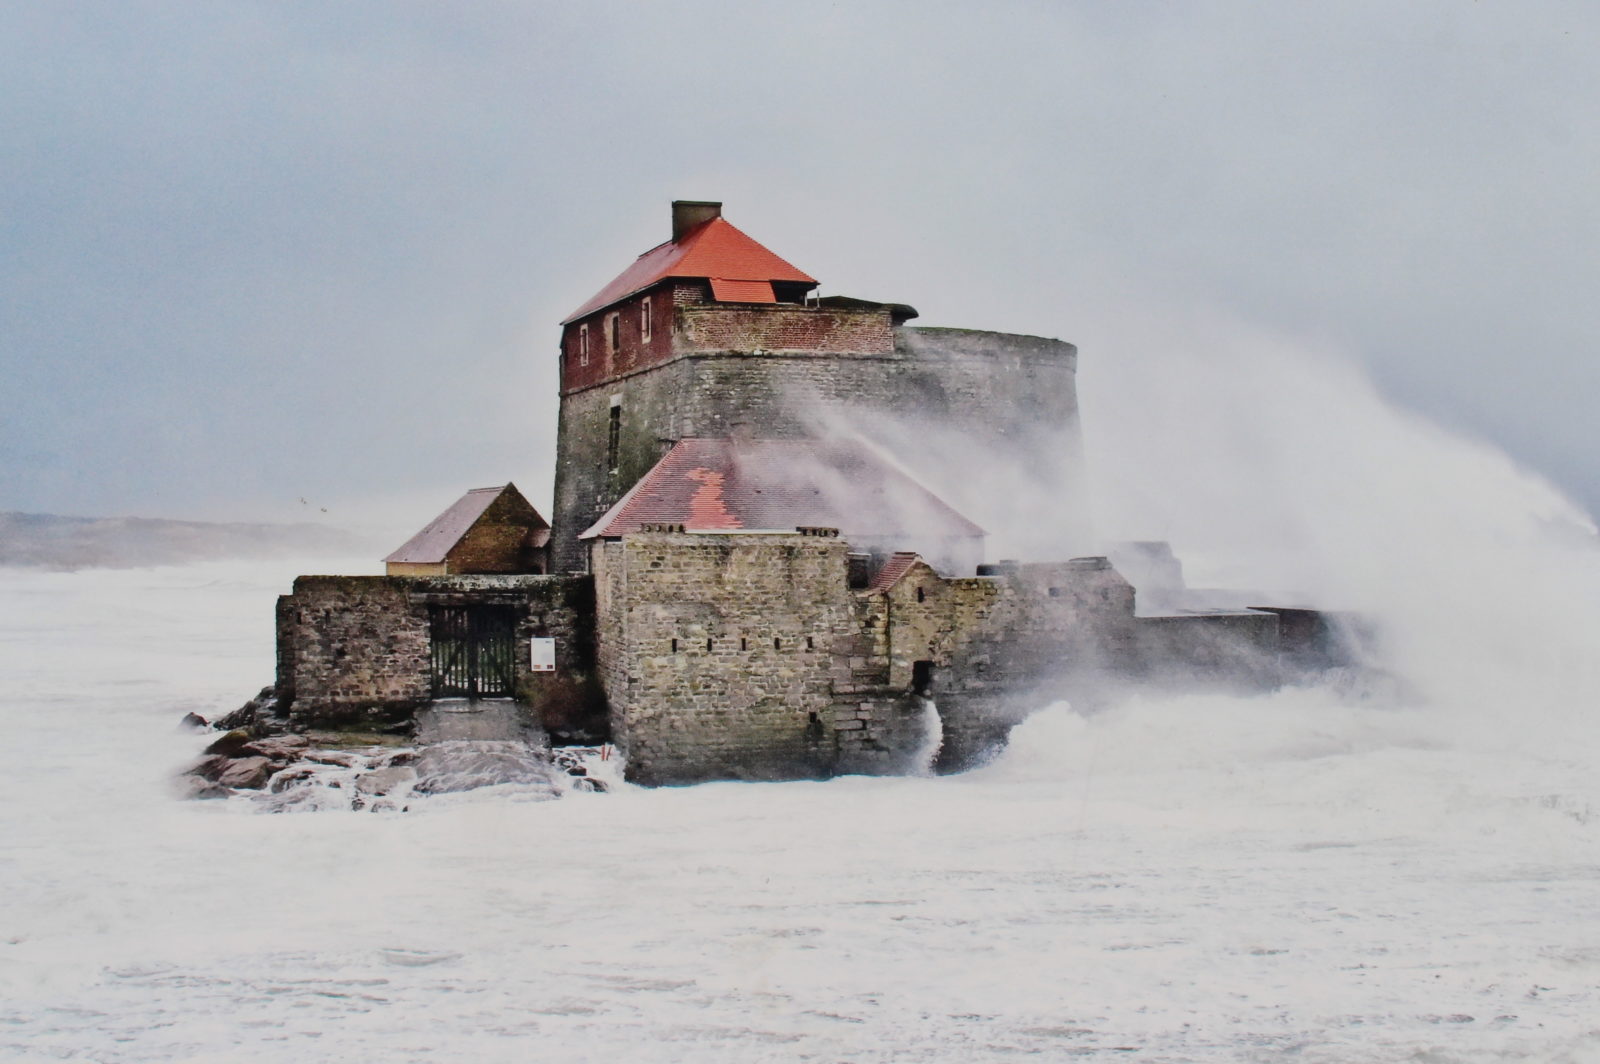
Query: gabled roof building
{"points": [[487, 530]]}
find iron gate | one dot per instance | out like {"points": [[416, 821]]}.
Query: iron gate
{"points": [[474, 651]]}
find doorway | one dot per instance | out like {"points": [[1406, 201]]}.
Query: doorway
{"points": [[474, 651]]}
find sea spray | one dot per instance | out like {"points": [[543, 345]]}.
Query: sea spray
{"points": [[927, 751]]}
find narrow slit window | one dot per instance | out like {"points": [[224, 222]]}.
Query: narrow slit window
{"points": [[811, 644], [674, 646], [583, 345], [614, 438], [644, 320], [710, 645], [921, 595], [777, 644], [744, 644], [614, 333]]}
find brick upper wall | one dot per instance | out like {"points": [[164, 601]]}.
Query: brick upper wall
{"points": [[784, 327], [680, 325]]}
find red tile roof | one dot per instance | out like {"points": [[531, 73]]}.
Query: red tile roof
{"points": [[898, 565], [442, 533], [719, 484], [726, 291], [715, 249]]}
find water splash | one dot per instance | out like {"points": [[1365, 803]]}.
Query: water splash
{"points": [[927, 752]]}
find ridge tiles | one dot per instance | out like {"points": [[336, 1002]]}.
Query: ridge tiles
{"points": [[714, 249]]}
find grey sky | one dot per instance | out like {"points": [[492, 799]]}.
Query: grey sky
{"points": [[255, 253]]}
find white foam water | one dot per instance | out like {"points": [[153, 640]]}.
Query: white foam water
{"points": [[927, 754]]}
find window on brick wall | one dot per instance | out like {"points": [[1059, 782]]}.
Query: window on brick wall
{"points": [[614, 333], [583, 345], [644, 319], [614, 437]]}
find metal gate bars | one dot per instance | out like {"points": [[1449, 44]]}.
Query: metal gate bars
{"points": [[473, 651]]}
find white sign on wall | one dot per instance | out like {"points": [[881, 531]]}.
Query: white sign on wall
{"points": [[544, 655]]}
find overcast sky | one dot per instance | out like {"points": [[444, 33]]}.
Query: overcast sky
{"points": [[260, 253]]}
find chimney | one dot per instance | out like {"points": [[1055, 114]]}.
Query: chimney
{"points": [[686, 214]]}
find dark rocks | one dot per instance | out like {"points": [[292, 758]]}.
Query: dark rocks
{"points": [[191, 788], [238, 761], [386, 780], [280, 748], [231, 744], [246, 773], [193, 722], [209, 767], [259, 716]]}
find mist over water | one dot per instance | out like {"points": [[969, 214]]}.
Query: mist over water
{"points": [[1338, 872], [1274, 466]]}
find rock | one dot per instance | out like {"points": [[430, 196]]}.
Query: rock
{"points": [[246, 773], [286, 779], [230, 745], [340, 758], [193, 722], [589, 783], [385, 780], [191, 788], [279, 748], [209, 767], [254, 714]]}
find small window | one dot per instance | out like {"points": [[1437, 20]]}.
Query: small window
{"points": [[777, 644], [710, 645], [811, 644], [921, 595], [614, 438], [922, 678], [744, 644], [674, 646], [644, 319], [583, 345], [614, 333]]}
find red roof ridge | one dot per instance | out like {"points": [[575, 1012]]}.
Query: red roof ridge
{"points": [[899, 564]]}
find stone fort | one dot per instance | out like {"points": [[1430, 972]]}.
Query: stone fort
{"points": [[736, 582]]}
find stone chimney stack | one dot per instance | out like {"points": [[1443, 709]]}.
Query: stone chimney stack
{"points": [[686, 214]]}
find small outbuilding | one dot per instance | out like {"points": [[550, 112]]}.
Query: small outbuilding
{"points": [[487, 530]]}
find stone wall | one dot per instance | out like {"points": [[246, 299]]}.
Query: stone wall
{"points": [[998, 647], [355, 650], [717, 652], [1235, 650]]}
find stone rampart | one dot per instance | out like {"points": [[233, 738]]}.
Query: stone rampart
{"points": [[356, 650], [717, 652]]}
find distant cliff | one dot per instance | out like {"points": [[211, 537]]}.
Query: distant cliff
{"points": [[49, 541]]}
